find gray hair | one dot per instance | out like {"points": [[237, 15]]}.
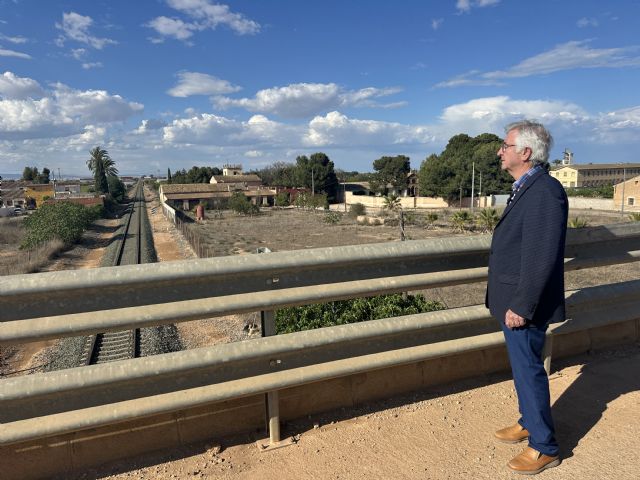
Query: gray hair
{"points": [[535, 136]]}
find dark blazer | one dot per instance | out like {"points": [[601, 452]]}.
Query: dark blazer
{"points": [[526, 262]]}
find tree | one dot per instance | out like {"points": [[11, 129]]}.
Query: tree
{"points": [[281, 174], [239, 203], [445, 175], [460, 220], [317, 172], [116, 188], [195, 175], [102, 166], [392, 203], [390, 170], [168, 175], [44, 176], [29, 174]]}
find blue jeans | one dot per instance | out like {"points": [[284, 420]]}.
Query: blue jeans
{"points": [[525, 346]]}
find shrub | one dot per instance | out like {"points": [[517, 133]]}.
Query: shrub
{"points": [[460, 220], [357, 209], [487, 219], [578, 223], [282, 200], [635, 216], [295, 319], [431, 219], [332, 217], [65, 221], [239, 203]]}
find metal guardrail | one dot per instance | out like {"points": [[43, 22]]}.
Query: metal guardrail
{"points": [[42, 405]]}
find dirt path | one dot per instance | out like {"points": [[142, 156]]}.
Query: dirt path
{"points": [[439, 434]]}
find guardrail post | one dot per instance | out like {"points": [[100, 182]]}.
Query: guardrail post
{"points": [[272, 399]]}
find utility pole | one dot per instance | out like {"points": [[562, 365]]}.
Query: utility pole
{"points": [[480, 192], [624, 179], [344, 194], [473, 184], [313, 190]]}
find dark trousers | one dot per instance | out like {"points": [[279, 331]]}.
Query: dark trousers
{"points": [[532, 385]]}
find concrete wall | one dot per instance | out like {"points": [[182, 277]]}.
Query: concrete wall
{"points": [[591, 203], [81, 450]]}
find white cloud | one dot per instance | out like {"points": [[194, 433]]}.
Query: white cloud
{"points": [[150, 125], [171, 27], [467, 5], [566, 56], [90, 65], [193, 83], [16, 40], [78, 53], [201, 15], [253, 154], [60, 112], [587, 22], [14, 87], [76, 27], [492, 113], [336, 129], [305, 99], [12, 53], [436, 22]]}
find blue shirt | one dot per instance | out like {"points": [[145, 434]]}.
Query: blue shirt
{"points": [[517, 185]]}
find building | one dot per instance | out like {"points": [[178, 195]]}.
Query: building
{"points": [[187, 196], [627, 193], [36, 194], [594, 174]]}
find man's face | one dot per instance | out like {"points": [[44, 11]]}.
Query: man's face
{"points": [[511, 160]]}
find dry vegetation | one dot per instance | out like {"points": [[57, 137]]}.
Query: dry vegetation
{"points": [[295, 229], [13, 260]]}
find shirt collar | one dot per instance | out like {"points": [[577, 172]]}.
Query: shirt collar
{"points": [[517, 185]]}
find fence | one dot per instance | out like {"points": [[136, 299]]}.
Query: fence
{"points": [[196, 392]]}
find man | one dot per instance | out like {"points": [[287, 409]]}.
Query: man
{"points": [[525, 290]]}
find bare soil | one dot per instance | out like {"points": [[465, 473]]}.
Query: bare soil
{"points": [[444, 433]]}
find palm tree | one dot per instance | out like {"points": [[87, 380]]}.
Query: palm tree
{"points": [[392, 203], [102, 166], [488, 219], [460, 220], [431, 218]]}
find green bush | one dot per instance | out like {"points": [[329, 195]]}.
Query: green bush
{"points": [[332, 217], [295, 319], [604, 191], [62, 220], [282, 200], [239, 203], [357, 209], [578, 222]]}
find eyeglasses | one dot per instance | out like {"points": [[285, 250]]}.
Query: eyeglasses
{"points": [[505, 146]]}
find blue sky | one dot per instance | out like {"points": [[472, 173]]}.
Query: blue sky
{"points": [[177, 83]]}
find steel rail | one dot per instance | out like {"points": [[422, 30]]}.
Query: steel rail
{"points": [[109, 346]]}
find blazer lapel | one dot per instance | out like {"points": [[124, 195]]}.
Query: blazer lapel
{"points": [[519, 194]]}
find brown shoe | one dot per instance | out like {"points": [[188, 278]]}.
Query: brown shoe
{"points": [[531, 462], [513, 434]]}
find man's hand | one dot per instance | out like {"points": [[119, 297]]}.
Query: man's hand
{"points": [[513, 320]]}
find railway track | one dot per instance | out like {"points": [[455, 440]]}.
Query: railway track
{"points": [[113, 346]]}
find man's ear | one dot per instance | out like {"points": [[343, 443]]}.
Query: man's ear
{"points": [[526, 153]]}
